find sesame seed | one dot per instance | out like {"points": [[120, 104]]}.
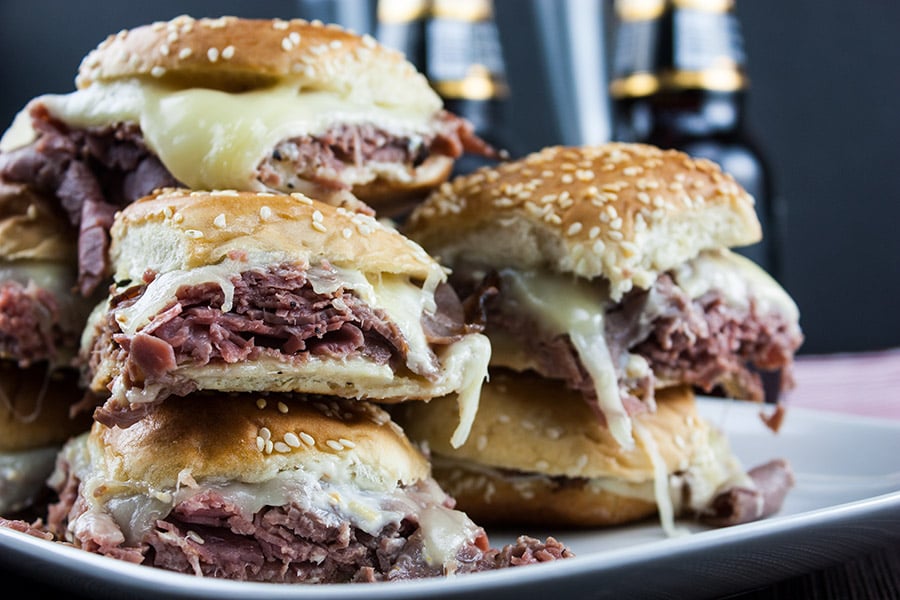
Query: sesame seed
{"points": [[286, 45], [567, 178], [260, 443], [265, 433], [334, 445], [265, 213], [281, 447], [347, 232], [158, 71], [279, 24], [291, 439], [164, 49], [319, 227], [301, 198], [228, 52], [220, 222], [184, 53], [574, 228], [594, 232], [282, 408], [260, 403], [345, 442], [269, 447], [616, 235], [178, 218], [193, 233], [212, 54], [306, 438]]}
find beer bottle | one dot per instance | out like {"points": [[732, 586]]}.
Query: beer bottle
{"points": [[678, 81], [465, 66], [401, 26]]}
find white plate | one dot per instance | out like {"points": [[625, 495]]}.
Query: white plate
{"points": [[846, 501]]}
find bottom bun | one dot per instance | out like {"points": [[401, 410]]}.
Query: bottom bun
{"points": [[536, 455]]}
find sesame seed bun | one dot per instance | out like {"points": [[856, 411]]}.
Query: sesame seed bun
{"points": [[344, 78], [623, 212], [224, 438], [237, 53], [536, 454], [179, 229]]}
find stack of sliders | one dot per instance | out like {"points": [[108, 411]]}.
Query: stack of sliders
{"points": [[230, 103], [41, 318], [241, 355], [246, 338], [610, 294]]}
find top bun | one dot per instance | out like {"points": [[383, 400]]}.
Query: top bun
{"points": [[252, 438], [238, 54], [625, 212], [177, 229]]}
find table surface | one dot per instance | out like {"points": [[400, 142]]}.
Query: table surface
{"points": [[865, 384]]}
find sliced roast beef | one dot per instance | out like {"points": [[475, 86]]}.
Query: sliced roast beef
{"points": [[274, 312], [704, 342], [208, 536], [93, 172], [30, 326]]}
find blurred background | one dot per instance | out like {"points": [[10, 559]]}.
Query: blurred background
{"points": [[816, 85]]}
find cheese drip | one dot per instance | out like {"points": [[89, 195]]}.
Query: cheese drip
{"points": [[211, 139], [576, 308], [336, 489]]}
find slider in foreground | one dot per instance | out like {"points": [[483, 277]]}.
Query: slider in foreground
{"points": [[246, 292], [229, 103], [609, 268], [536, 456], [272, 488]]}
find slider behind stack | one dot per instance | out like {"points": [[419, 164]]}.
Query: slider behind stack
{"points": [[41, 317], [605, 277]]}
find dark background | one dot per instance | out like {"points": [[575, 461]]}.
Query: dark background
{"points": [[823, 105]]}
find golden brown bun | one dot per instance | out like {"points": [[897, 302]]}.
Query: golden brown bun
{"points": [[238, 54], [394, 199], [31, 228], [625, 212], [490, 498], [529, 423], [177, 229], [218, 436], [35, 407], [536, 455]]}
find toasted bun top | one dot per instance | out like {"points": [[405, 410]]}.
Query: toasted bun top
{"points": [[532, 424], [625, 212], [239, 54], [176, 229], [32, 229], [252, 438]]}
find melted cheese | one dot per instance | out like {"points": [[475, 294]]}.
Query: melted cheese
{"points": [[738, 279], [211, 139], [576, 308], [661, 493], [335, 489]]}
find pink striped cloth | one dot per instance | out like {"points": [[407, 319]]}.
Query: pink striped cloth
{"points": [[859, 383]]}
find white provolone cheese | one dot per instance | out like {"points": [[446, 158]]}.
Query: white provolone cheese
{"points": [[738, 279], [211, 139], [661, 493], [575, 307]]}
